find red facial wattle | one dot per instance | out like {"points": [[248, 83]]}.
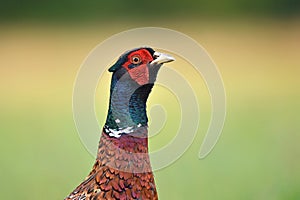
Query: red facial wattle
{"points": [[137, 67], [140, 74]]}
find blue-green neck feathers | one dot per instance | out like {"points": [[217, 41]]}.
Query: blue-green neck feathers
{"points": [[127, 106]]}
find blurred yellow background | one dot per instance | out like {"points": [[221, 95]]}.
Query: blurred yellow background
{"points": [[257, 156]]}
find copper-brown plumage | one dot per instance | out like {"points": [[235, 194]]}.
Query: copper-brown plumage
{"points": [[114, 173]]}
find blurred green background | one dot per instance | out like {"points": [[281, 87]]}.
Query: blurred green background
{"points": [[255, 44]]}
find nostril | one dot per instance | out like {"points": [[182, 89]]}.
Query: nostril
{"points": [[156, 55]]}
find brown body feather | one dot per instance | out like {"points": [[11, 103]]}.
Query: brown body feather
{"points": [[122, 170]]}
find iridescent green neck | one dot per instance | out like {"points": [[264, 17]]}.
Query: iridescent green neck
{"points": [[127, 106]]}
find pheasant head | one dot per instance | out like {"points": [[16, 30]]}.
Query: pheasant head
{"points": [[133, 77]]}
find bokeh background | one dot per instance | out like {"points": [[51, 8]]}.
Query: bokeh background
{"points": [[256, 45]]}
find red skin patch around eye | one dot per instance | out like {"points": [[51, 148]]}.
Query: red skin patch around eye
{"points": [[140, 73]]}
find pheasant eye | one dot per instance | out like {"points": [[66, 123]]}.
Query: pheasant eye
{"points": [[136, 59]]}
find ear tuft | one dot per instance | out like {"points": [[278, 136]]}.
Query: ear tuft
{"points": [[113, 68], [118, 64]]}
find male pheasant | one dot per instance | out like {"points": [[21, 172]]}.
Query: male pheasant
{"points": [[122, 169]]}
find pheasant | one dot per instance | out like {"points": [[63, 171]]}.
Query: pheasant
{"points": [[122, 169]]}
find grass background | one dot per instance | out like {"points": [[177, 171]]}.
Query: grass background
{"points": [[257, 156]]}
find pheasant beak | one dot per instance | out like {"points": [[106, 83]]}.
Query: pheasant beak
{"points": [[161, 58]]}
